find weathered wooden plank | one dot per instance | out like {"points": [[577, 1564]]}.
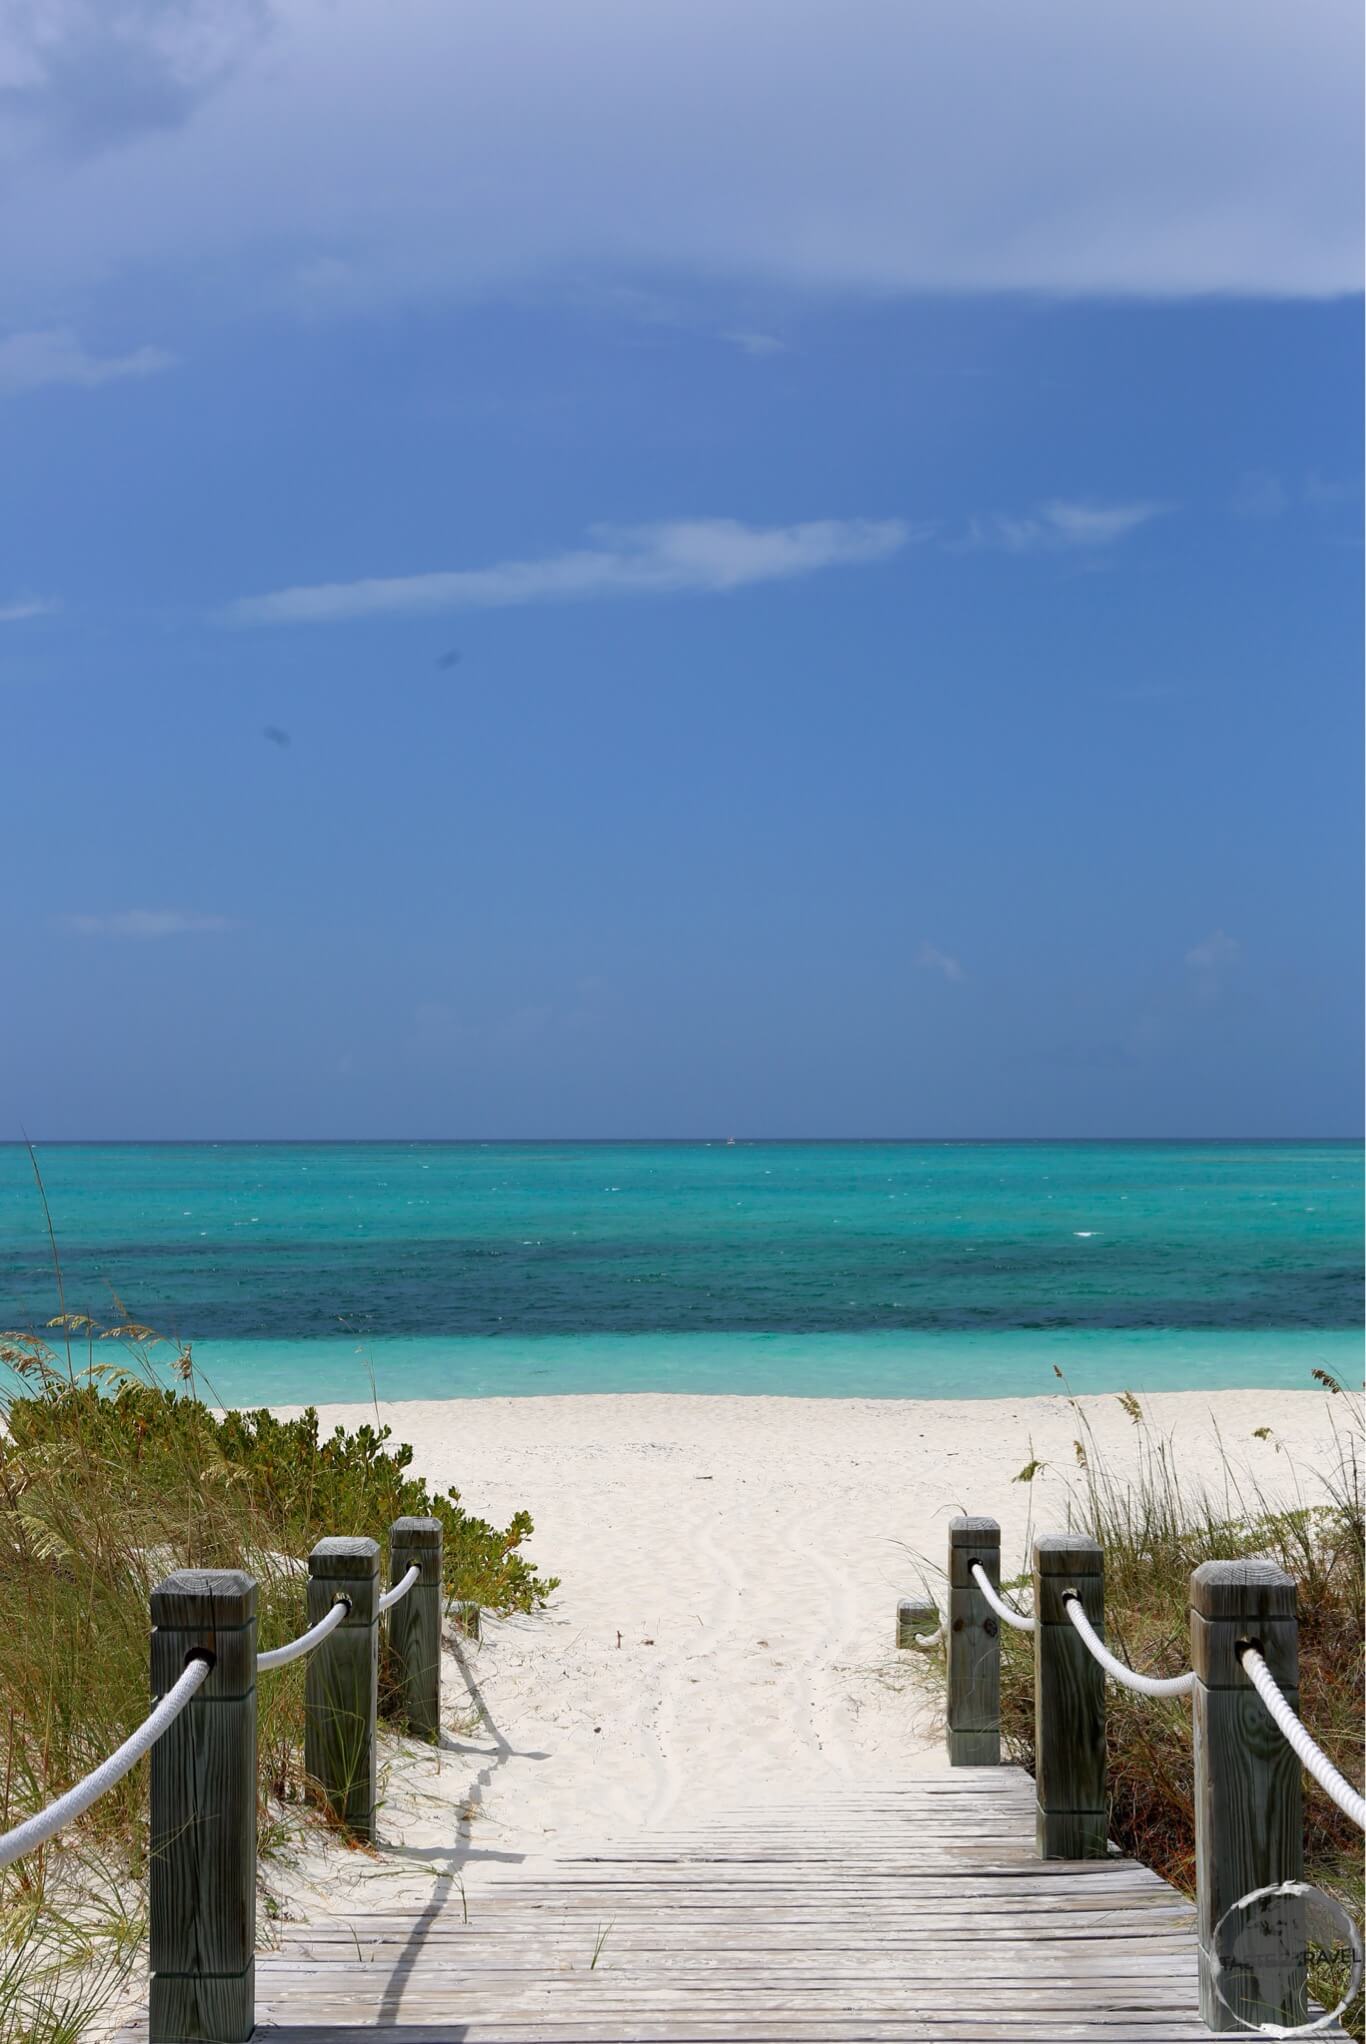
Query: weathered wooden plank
{"points": [[798, 1908], [536, 1964], [970, 2028], [697, 1985], [615, 2023], [1015, 1983], [883, 1926]]}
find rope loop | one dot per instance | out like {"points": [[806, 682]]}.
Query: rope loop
{"points": [[400, 1589], [1127, 1678], [280, 1657], [1006, 1611], [923, 1641]]}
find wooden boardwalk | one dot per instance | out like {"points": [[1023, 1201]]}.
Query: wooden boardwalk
{"points": [[919, 1912]]}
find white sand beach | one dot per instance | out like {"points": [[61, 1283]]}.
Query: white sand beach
{"points": [[724, 1631]]}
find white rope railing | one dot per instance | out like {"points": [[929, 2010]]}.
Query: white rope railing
{"points": [[1311, 1757], [280, 1657], [925, 1640], [400, 1589], [983, 1581], [36, 1831], [1127, 1678]]}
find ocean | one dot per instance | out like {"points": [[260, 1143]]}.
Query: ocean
{"points": [[312, 1272]]}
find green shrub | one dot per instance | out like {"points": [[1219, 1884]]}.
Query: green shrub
{"points": [[110, 1477], [150, 1440]]}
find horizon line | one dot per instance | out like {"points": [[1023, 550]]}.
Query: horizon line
{"points": [[619, 1142]]}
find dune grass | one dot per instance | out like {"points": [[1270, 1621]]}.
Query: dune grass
{"points": [[1156, 1523], [113, 1471]]}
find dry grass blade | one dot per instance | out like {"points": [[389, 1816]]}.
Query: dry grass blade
{"points": [[1156, 1525]]}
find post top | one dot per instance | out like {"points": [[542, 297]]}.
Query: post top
{"points": [[418, 1532], [204, 1599], [917, 1607], [973, 1532], [1068, 1554], [1242, 1589], [341, 1554]]}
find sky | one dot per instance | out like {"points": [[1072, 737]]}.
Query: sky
{"points": [[680, 570]]}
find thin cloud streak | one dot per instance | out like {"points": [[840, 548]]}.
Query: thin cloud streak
{"points": [[931, 959], [756, 344], [26, 607], [708, 555], [54, 355], [1062, 525]]}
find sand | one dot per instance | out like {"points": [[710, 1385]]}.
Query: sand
{"points": [[724, 1632]]}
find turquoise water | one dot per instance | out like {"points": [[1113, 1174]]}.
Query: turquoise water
{"points": [[305, 1271]]}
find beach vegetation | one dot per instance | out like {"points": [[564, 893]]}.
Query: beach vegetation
{"points": [[1156, 1524], [115, 1469]]}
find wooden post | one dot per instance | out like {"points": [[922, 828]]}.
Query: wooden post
{"points": [[203, 1814], [415, 1623], [1071, 1794], [974, 1700], [915, 1616], [1249, 1823], [342, 1683]]}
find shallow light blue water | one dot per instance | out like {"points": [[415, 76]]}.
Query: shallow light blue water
{"points": [[862, 1269]]}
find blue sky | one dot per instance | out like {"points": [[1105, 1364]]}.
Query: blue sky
{"points": [[617, 571]]}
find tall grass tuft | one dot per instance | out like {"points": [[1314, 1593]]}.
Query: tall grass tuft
{"points": [[1156, 1524], [113, 1471]]}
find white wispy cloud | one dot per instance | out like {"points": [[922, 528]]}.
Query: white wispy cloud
{"points": [[26, 606], [931, 959], [704, 554], [1261, 495], [1210, 961], [756, 344], [51, 355], [1061, 525], [1147, 147], [145, 923], [1214, 952]]}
